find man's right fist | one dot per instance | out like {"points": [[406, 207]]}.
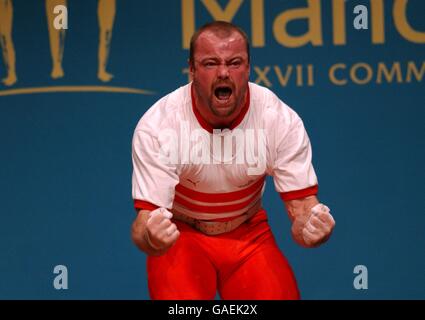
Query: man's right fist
{"points": [[161, 233]]}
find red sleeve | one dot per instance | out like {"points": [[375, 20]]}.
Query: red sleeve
{"points": [[298, 194], [144, 205]]}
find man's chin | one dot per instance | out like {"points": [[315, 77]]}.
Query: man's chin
{"points": [[223, 110]]}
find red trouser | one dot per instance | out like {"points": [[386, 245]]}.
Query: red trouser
{"points": [[245, 263]]}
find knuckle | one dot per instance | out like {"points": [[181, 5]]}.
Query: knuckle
{"points": [[167, 222], [152, 222], [313, 237], [306, 235]]}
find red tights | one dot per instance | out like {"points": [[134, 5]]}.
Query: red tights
{"points": [[244, 264]]}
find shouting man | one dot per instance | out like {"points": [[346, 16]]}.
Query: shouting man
{"points": [[197, 191]]}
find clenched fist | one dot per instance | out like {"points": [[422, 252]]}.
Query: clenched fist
{"points": [[160, 232], [319, 226]]}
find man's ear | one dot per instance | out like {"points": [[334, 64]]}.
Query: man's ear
{"points": [[191, 69]]}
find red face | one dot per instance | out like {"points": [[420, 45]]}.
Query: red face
{"points": [[220, 74]]}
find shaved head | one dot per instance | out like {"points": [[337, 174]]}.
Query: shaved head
{"points": [[220, 29]]}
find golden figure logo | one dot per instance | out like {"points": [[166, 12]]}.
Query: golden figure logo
{"points": [[56, 38], [7, 47], [106, 16], [106, 10]]}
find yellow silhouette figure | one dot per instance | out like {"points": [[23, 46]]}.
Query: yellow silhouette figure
{"points": [[6, 43], [57, 39], [106, 15]]}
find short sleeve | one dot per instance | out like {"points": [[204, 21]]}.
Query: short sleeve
{"points": [[293, 172], [153, 180]]}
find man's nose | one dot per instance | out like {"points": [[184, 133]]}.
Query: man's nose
{"points": [[223, 71]]}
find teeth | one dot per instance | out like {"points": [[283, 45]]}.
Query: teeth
{"points": [[223, 95]]}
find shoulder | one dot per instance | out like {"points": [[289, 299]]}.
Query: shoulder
{"points": [[166, 112], [271, 108]]}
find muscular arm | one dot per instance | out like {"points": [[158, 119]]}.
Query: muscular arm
{"points": [[309, 230]]}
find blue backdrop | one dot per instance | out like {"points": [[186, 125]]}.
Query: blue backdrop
{"points": [[65, 174]]}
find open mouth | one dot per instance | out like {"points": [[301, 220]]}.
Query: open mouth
{"points": [[223, 93]]}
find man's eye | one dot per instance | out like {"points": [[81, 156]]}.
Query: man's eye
{"points": [[210, 64], [235, 64]]}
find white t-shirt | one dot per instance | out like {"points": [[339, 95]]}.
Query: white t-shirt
{"points": [[179, 164]]}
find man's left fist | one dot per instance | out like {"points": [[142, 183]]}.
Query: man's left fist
{"points": [[319, 226]]}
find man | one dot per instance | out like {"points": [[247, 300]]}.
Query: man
{"points": [[199, 217]]}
